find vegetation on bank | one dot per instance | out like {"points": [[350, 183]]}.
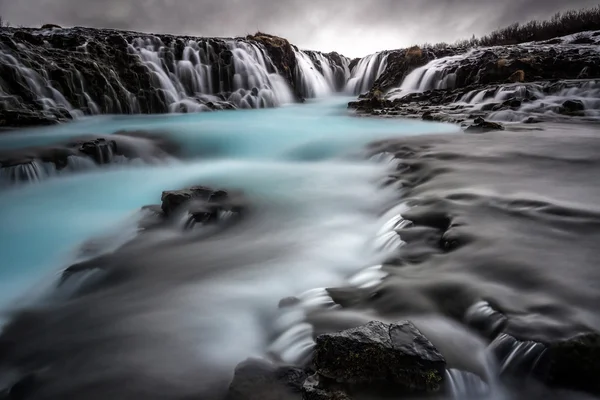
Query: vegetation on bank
{"points": [[561, 24]]}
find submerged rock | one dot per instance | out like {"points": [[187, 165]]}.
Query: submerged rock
{"points": [[379, 354]]}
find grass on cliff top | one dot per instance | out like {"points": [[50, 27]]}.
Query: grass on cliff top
{"points": [[272, 40], [561, 24]]}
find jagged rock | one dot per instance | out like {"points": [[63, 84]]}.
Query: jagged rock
{"points": [[380, 354], [256, 379], [573, 363], [172, 200], [480, 125]]}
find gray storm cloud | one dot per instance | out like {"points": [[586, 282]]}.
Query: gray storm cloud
{"points": [[351, 27]]}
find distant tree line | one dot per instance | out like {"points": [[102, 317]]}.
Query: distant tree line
{"points": [[561, 24]]}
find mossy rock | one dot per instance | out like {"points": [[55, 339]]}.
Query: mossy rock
{"points": [[379, 354]]}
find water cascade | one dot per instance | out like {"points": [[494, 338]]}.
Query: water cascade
{"points": [[437, 74], [63, 74], [366, 72], [201, 75], [317, 75]]}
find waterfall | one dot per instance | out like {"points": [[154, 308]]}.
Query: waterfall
{"points": [[202, 75], [516, 357], [465, 385], [319, 75], [310, 81], [37, 87], [366, 72], [437, 74], [106, 73]]}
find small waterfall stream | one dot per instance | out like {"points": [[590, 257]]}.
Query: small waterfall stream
{"points": [[366, 72]]}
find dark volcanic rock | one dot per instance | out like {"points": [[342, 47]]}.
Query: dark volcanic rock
{"points": [[172, 200], [380, 354], [257, 379], [572, 107], [573, 363], [480, 125]]}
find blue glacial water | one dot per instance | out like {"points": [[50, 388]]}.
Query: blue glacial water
{"points": [[288, 158]]}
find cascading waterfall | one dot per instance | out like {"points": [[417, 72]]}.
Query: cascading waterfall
{"points": [[38, 87], [366, 72], [76, 72], [309, 80], [251, 80], [437, 74], [531, 99]]}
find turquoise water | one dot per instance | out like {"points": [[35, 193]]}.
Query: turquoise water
{"points": [[281, 156]]}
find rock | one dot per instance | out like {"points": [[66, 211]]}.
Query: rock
{"points": [[572, 107], [532, 120], [512, 103], [257, 379], [480, 125], [428, 116], [517, 76], [173, 199], [380, 354], [313, 390], [573, 363], [100, 150]]}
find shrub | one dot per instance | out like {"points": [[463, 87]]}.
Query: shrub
{"points": [[561, 24], [414, 52]]}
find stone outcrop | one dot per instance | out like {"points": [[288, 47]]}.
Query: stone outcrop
{"points": [[380, 354]]}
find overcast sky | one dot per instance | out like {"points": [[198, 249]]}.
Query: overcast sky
{"points": [[352, 27]]}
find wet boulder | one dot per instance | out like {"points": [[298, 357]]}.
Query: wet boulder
{"points": [[172, 200], [379, 354], [572, 107], [257, 379], [480, 125], [573, 363]]}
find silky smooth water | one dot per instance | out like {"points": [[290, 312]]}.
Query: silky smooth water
{"points": [[265, 151]]}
